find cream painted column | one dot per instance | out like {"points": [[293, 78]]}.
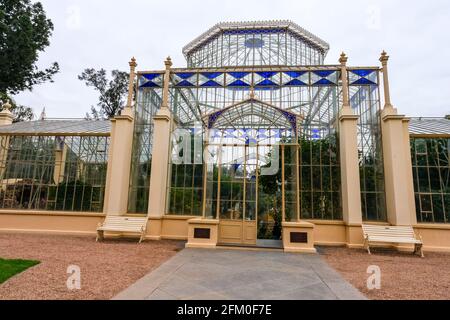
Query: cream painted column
{"points": [[119, 156], [350, 180], [60, 164], [162, 122], [397, 160], [6, 118]]}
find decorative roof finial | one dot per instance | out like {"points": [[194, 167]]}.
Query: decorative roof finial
{"points": [[168, 62], [384, 57], [133, 63], [343, 59], [7, 105]]}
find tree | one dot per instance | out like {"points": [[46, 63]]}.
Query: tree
{"points": [[24, 33], [112, 92], [21, 113]]}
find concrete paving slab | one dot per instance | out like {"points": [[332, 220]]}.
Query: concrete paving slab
{"points": [[199, 274]]}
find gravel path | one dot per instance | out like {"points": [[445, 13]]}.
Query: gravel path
{"points": [[403, 276], [106, 268]]}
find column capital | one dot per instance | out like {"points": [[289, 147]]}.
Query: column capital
{"points": [[384, 58], [343, 59], [133, 63], [168, 63]]}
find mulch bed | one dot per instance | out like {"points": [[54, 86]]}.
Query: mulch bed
{"points": [[106, 268], [403, 275]]}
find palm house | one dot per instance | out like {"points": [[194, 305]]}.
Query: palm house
{"points": [[255, 143]]}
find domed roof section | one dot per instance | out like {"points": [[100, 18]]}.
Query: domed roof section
{"points": [[292, 27]]}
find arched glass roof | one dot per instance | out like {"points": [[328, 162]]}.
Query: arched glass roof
{"points": [[259, 43]]}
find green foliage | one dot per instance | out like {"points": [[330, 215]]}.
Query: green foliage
{"points": [[73, 195], [112, 92], [24, 33], [9, 268]]}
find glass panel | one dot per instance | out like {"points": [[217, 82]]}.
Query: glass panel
{"points": [[290, 182], [232, 183], [431, 179], [320, 182], [53, 173], [269, 197], [365, 102], [148, 101]]}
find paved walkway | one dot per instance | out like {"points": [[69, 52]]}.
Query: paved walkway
{"points": [[242, 275]]}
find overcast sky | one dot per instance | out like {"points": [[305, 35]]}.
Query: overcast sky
{"points": [[106, 34]]}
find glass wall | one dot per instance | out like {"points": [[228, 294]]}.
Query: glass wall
{"points": [[365, 103], [53, 173], [147, 104], [185, 188], [320, 179], [431, 173]]}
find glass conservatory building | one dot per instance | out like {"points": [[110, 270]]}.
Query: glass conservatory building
{"points": [[255, 143]]}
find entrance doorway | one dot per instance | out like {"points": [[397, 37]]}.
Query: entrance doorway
{"points": [[247, 208], [244, 172]]}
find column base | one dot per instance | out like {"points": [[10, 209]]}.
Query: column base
{"points": [[202, 233], [354, 236], [154, 228], [298, 237]]}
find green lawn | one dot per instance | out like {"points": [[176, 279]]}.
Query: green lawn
{"points": [[9, 268]]}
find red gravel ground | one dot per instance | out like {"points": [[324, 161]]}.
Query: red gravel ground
{"points": [[403, 276], [106, 268]]}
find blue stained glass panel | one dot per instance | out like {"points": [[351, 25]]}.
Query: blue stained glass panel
{"points": [[239, 83], [211, 75], [324, 73], [277, 133], [185, 83], [151, 76], [295, 82], [149, 84], [238, 75], [363, 73], [267, 74], [185, 75], [210, 83], [323, 82], [262, 134], [295, 74], [363, 81], [267, 82]]}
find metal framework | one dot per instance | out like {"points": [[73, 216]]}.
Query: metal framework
{"points": [[41, 169], [249, 83], [431, 174], [254, 44]]}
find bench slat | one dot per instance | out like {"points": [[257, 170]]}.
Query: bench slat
{"points": [[393, 234]]}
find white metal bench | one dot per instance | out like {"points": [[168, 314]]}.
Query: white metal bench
{"points": [[391, 234], [123, 224]]}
